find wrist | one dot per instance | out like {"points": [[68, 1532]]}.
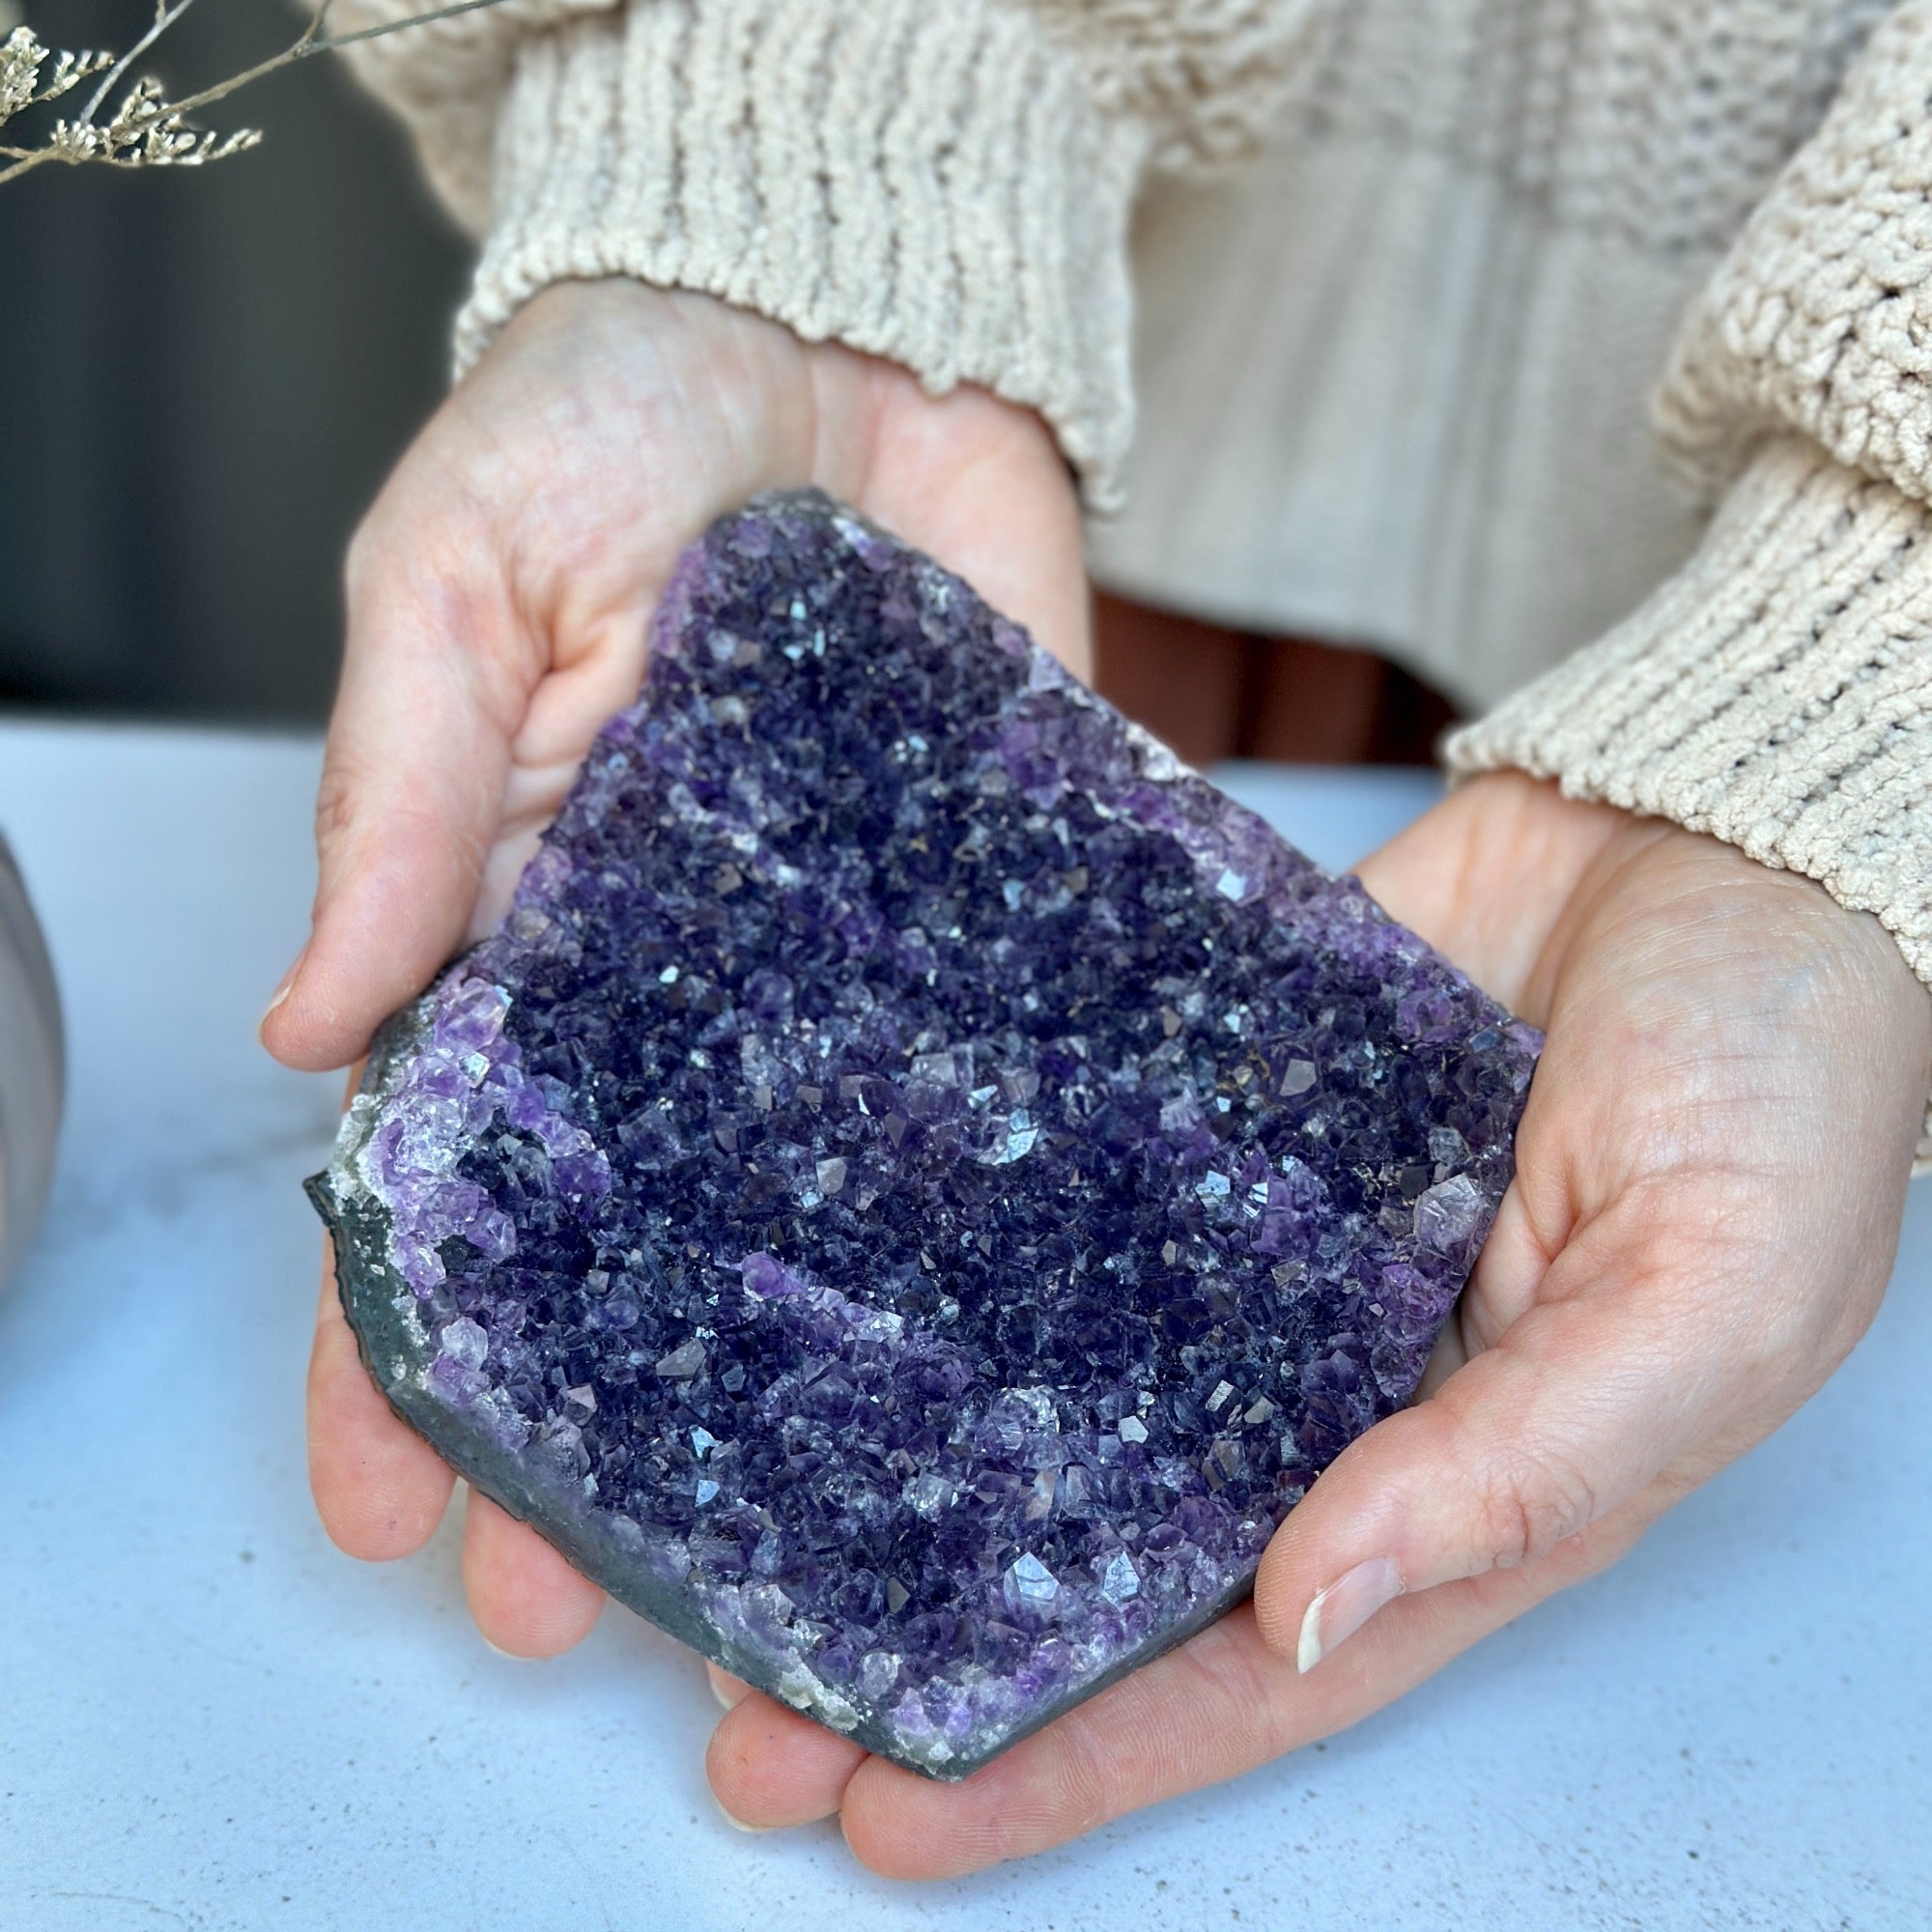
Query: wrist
{"points": [[856, 191]]}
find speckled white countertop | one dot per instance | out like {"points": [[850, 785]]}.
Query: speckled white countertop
{"points": [[209, 1718]]}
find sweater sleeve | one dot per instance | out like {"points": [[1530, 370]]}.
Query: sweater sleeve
{"points": [[1777, 692], [944, 183]]}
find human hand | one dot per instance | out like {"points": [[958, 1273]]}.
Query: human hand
{"points": [[1710, 1178], [498, 597]]}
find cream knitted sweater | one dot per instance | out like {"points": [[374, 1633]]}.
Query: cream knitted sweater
{"points": [[1408, 271]]}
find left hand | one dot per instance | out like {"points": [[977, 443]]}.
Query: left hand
{"points": [[1711, 1173], [499, 597]]}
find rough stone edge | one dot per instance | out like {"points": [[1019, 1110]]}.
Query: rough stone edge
{"points": [[375, 1303]]}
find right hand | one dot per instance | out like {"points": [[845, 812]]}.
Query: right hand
{"points": [[499, 593]]}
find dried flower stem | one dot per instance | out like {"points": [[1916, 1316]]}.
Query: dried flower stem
{"points": [[143, 127]]}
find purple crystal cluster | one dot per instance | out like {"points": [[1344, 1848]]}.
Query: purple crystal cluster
{"points": [[920, 1183]]}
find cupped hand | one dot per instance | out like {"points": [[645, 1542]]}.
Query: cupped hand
{"points": [[1711, 1173], [1709, 1168], [499, 593]]}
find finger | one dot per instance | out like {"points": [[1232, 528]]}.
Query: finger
{"points": [[729, 1691], [1235, 1697], [770, 1767], [526, 1599], [378, 1488], [1485, 876], [436, 678], [1513, 1271], [1201, 1713], [1222, 1704], [1578, 1410], [981, 485]]}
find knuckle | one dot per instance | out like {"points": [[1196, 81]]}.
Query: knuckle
{"points": [[1242, 1685], [359, 558], [425, 527], [376, 546], [1088, 1784], [1527, 1504], [335, 803]]}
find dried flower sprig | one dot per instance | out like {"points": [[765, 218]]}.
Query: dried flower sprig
{"points": [[128, 121]]}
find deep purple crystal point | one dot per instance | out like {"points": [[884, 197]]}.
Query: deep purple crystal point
{"points": [[920, 1183]]}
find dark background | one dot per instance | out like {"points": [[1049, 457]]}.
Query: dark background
{"points": [[205, 374]]}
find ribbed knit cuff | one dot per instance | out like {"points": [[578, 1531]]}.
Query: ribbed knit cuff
{"points": [[1776, 693], [444, 76], [930, 184]]}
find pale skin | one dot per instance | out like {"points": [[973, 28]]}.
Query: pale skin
{"points": [[1711, 1169]]}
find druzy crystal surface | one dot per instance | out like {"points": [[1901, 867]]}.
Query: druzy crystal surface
{"points": [[920, 1183]]}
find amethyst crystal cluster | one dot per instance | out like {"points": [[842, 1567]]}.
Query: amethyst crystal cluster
{"points": [[920, 1183]]}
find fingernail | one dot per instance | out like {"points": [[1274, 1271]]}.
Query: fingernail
{"points": [[282, 992], [738, 1824], [1335, 1615], [714, 1678]]}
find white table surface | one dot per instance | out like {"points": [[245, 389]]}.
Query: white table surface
{"points": [[210, 1719]]}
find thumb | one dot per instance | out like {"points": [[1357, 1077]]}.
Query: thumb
{"points": [[980, 485], [434, 685], [1577, 1410]]}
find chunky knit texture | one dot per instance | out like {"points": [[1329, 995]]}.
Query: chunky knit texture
{"points": [[1820, 318], [1777, 692], [947, 186], [1395, 369], [746, 149], [1393, 374]]}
